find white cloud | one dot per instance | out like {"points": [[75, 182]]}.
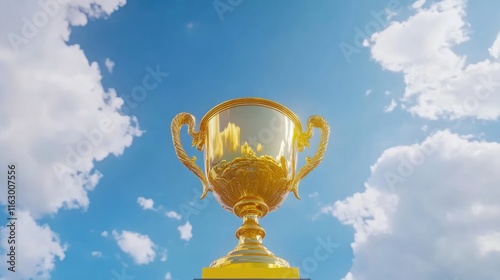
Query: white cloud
{"points": [[495, 48], [366, 43], [429, 211], [173, 215], [390, 15], [489, 243], [389, 108], [439, 82], [368, 92], [136, 245], [163, 255], [146, 203], [104, 234], [190, 25], [185, 231], [96, 254], [51, 102], [109, 65], [348, 277], [418, 4], [37, 248], [424, 128], [168, 276], [314, 195]]}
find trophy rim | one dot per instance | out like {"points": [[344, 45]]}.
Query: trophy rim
{"points": [[250, 101]]}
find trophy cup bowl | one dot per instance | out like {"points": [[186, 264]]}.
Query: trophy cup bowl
{"points": [[250, 153]]}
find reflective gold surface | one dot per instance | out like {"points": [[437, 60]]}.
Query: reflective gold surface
{"points": [[251, 147], [250, 176]]}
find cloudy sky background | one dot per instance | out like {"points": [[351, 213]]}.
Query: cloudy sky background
{"points": [[409, 187]]}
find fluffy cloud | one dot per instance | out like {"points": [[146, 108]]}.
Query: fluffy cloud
{"points": [[439, 82], [56, 119], [109, 65], [136, 245], [389, 108], [168, 276], [418, 4], [96, 254], [37, 249], [429, 211], [313, 195], [163, 255], [495, 48], [185, 231], [173, 215], [52, 96], [146, 203]]}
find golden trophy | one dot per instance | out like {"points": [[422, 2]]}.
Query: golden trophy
{"points": [[251, 147]]}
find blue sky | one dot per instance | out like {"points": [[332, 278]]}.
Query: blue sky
{"points": [[408, 188]]}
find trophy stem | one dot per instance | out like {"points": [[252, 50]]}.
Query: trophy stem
{"points": [[250, 229], [250, 252]]}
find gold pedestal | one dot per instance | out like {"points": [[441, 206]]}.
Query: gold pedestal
{"points": [[250, 273]]}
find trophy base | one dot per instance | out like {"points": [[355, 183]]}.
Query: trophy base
{"points": [[250, 273], [250, 253]]}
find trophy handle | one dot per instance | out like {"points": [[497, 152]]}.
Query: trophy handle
{"points": [[177, 123], [303, 141]]}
